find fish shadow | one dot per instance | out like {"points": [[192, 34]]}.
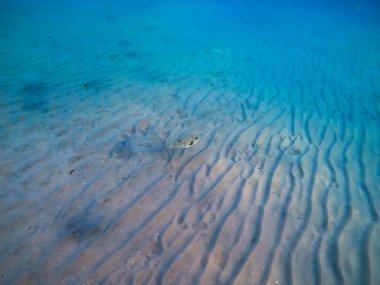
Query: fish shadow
{"points": [[131, 146], [133, 55], [35, 97], [82, 227]]}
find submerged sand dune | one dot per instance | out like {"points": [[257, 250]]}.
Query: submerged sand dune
{"points": [[281, 188]]}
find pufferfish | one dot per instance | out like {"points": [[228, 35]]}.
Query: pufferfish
{"points": [[185, 142]]}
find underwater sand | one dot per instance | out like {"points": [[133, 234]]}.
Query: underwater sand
{"points": [[282, 187]]}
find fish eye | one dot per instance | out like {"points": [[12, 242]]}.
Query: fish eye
{"points": [[196, 138]]}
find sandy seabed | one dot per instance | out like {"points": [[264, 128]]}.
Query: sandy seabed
{"points": [[282, 187]]}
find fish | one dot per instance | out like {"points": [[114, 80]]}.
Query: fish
{"points": [[185, 142]]}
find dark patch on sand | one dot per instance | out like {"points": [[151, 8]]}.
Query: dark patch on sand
{"points": [[124, 43], [133, 55], [113, 56], [149, 27], [121, 149], [138, 143], [39, 105], [82, 226], [35, 97]]}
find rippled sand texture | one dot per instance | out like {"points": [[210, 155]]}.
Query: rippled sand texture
{"points": [[282, 187]]}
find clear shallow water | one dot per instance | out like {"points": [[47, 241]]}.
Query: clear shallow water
{"points": [[282, 186]]}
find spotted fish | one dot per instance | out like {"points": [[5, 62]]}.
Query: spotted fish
{"points": [[185, 142]]}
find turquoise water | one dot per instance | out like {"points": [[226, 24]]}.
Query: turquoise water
{"points": [[281, 188]]}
